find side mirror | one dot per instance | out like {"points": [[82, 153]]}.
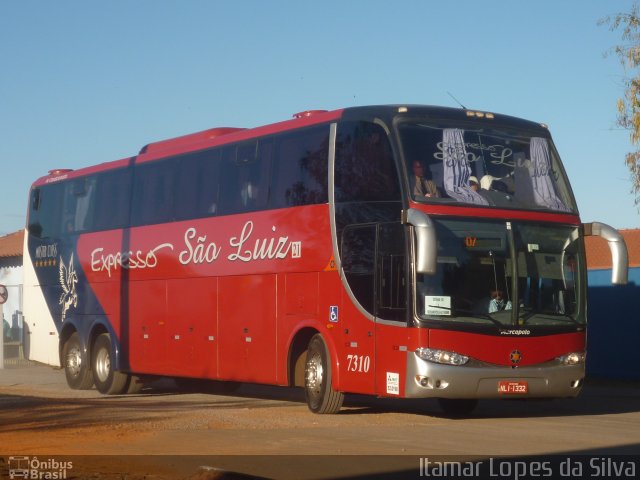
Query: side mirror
{"points": [[619, 256], [425, 241]]}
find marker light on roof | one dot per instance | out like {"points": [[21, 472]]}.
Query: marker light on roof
{"points": [[308, 113], [403, 110], [473, 113]]}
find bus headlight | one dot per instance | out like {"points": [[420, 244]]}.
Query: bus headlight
{"points": [[574, 358], [441, 356]]}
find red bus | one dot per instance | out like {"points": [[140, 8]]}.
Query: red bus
{"points": [[397, 251]]}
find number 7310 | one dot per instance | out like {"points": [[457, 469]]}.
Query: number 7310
{"points": [[358, 363]]}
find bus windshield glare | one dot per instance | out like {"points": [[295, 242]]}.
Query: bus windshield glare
{"points": [[491, 167], [504, 274]]}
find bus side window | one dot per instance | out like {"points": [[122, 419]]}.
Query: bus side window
{"points": [[34, 226], [45, 212], [154, 192], [78, 204], [391, 272], [230, 188], [208, 183], [198, 184], [365, 170], [299, 175], [113, 192], [245, 177], [358, 245]]}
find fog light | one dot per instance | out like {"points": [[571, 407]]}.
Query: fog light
{"points": [[442, 356], [574, 358], [423, 381]]}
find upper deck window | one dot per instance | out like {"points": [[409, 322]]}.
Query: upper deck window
{"points": [[484, 166]]}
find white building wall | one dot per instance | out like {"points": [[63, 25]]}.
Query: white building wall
{"points": [[12, 277]]}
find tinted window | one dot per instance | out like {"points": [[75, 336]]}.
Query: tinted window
{"points": [[358, 262], [154, 193], [44, 213], [245, 177], [198, 182], [373, 257], [112, 200], [300, 168], [78, 204], [365, 170], [391, 272]]}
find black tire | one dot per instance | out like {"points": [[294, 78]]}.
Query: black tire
{"points": [[76, 364], [320, 395], [135, 385], [107, 380], [458, 407]]}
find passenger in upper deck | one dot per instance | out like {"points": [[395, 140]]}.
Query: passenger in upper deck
{"points": [[424, 186]]}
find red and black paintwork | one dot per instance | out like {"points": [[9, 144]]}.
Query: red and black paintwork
{"points": [[203, 299]]}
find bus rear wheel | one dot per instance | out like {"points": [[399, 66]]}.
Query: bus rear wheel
{"points": [[320, 395], [76, 364], [107, 380]]}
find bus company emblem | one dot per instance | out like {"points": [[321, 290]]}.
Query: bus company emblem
{"points": [[515, 357], [68, 282]]}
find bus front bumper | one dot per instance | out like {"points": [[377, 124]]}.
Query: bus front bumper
{"points": [[475, 379]]}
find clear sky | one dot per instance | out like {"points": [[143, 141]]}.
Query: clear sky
{"points": [[84, 82]]}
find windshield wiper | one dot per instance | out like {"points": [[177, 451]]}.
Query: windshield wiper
{"points": [[560, 317], [473, 314]]}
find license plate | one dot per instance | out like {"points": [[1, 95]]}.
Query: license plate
{"points": [[513, 388]]}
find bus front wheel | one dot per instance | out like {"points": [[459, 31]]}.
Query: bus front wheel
{"points": [[76, 364], [107, 380], [321, 397]]}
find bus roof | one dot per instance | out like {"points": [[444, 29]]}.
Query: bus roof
{"points": [[223, 135]]}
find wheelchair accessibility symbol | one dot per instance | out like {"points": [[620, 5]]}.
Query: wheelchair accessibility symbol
{"points": [[333, 313]]}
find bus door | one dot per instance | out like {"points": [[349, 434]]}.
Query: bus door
{"points": [[390, 308], [356, 318], [373, 261]]}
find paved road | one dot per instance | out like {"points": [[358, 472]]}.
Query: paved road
{"points": [[268, 431]]}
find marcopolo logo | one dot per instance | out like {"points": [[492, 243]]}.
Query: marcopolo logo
{"points": [[34, 468]]}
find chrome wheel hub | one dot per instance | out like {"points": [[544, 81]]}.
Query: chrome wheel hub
{"points": [[314, 374], [74, 362], [103, 365]]}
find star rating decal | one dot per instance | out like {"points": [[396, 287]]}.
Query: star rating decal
{"points": [[52, 262]]}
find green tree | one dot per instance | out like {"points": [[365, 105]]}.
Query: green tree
{"points": [[628, 52]]}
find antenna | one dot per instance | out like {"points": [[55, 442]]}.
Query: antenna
{"points": [[456, 100]]}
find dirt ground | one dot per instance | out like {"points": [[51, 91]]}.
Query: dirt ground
{"points": [[163, 432], [268, 432]]}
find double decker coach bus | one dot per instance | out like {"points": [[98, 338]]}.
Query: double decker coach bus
{"points": [[398, 251]]}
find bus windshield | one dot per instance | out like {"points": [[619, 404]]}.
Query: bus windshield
{"points": [[492, 167], [476, 266]]}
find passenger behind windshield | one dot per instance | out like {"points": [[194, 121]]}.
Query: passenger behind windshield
{"points": [[424, 185], [484, 167]]}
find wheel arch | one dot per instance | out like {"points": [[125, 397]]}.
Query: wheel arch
{"points": [[102, 326], [87, 334], [70, 326], [296, 356]]}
